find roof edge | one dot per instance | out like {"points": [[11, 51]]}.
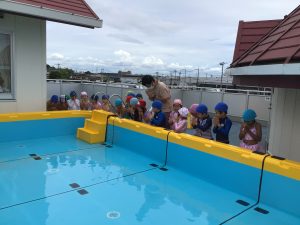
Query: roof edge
{"points": [[50, 14], [263, 70]]}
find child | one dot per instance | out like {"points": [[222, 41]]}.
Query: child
{"points": [[133, 110], [180, 125], [95, 104], [73, 103], [120, 110], [84, 101], [127, 107], [142, 109], [158, 118], [62, 105], [52, 104], [194, 115], [204, 122], [222, 123], [127, 101], [139, 96], [250, 132], [174, 115], [105, 103]]}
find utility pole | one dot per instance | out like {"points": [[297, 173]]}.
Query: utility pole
{"points": [[185, 76], [222, 64], [175, 71], [198, 74]]}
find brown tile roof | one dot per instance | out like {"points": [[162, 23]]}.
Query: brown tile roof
{"points": [[280, 45], [250, 33], [76, 7]]}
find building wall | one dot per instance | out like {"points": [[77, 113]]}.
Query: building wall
{"points": [[29, 64], [285, 123]]}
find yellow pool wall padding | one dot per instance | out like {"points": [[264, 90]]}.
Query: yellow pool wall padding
{"points": [[286, 168], [10, 117]]}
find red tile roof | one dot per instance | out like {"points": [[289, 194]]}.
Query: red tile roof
{"points": [[250, 33], [76, 7], [280, 45]]}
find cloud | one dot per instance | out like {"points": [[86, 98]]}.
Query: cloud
{"points": [[126, 38], [150, 36], [214, 69], [152, 61], [56, 56], [177, 66], [136, 18], [124, 56]]}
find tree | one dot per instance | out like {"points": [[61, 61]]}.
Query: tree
{"points": [[61, 74]]}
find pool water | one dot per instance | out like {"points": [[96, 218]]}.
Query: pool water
{"points": [[55, 180], [116, 179]]}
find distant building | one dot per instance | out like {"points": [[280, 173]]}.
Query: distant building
{"points": [[23, 48]]}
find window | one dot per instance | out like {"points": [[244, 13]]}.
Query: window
{"points": [[5, 66]]}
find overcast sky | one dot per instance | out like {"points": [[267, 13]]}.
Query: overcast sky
{"points": [[158, 35]]}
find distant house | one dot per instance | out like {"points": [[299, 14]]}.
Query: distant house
{"points": [[271, 58], [23, 48]]}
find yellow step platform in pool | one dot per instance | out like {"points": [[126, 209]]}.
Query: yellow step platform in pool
{"points": [[95, 128]]}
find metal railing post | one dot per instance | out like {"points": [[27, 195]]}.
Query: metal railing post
{"points": [[60, 87], [222, 97], [247, 100]]}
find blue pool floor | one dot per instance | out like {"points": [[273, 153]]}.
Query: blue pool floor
{"points": [[121, 188]]}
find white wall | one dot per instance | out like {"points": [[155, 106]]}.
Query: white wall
{"points": [[29, 64], [285, 124]]}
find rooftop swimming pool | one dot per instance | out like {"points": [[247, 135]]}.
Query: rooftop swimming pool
{"points": [[135, 174]]}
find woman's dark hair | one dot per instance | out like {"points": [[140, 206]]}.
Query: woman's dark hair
{"points": [[147, 80]]}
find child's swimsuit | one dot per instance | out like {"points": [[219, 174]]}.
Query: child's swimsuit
{"points": [[248, 137]]}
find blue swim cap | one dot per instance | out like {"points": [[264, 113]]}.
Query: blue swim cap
{"points": [[134, 101], [95, 97], [54, 99], [201, 108], [105, 97], [130, 93], [249, 115], [73, 94], [221, 107], [157, 104], [118, 102]]}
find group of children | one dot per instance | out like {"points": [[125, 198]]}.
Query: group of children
{"points": [[71, 102], [250, 132], [134, 108]]}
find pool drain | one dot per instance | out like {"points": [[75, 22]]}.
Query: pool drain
{"points": [[113, 215]]}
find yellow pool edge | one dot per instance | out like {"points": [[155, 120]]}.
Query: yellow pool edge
{"points": [[286, 168], [11, 117]]}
